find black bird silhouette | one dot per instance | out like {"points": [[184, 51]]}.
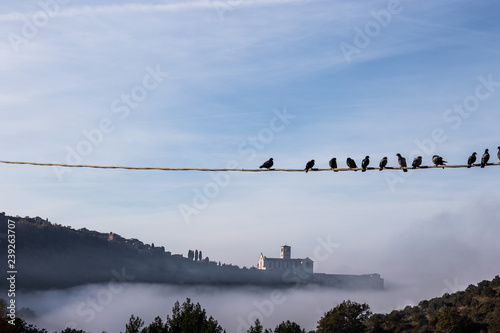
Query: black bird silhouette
{"points": [[383, 163], [417, 162], [364, 163], [267, 164], [333, 164], [485, 158], [351, 164], [471, 160], [498, 154], [402, 161], [309, 165], [438, 160]]}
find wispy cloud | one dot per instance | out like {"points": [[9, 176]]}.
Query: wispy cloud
{"points": [[70, 11]]}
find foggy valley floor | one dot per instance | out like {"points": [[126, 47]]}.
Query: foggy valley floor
{"points": [[99, 307]]}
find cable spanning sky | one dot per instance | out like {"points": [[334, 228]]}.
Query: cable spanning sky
{"points": [[231, 83]]}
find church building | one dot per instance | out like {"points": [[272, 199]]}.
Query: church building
{"points": [[285, 262]]}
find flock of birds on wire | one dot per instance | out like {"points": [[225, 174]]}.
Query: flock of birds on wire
{"points": [[417, 162]]}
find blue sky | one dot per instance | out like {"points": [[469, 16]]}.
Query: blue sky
{"points": [[204, 78]]}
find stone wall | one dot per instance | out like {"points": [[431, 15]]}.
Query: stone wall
{"points": [[366, 281]]}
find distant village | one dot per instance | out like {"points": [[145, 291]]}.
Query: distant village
{"points": [[132, 243], [111, 236], [268, 269]]}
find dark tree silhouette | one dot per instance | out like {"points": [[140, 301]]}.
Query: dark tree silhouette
{"points": [[191, 318], [134, 325], [289, 327], [72, 330], [157, 326], [347, 317], [257, 328]]}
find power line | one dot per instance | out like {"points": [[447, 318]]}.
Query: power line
{"points": [[234, 169]]}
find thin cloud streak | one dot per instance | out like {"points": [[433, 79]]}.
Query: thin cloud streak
{"points": [[141, 8]]}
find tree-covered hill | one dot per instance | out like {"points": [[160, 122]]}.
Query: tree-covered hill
{"points": [[476, 309]]}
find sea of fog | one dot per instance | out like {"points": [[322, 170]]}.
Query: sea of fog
{"points": [[108, 307]]}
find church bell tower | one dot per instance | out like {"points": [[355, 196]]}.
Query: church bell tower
{"points": [[286, 252]]}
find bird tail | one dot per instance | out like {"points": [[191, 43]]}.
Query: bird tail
{"points": [[405, 170]]}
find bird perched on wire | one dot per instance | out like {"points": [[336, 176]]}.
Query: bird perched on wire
{"points": [[267, 164], [417, 162], [309, 165], [485, 158], [351, 164], [383, 163], [498, 154], [364, 163], [402, 162], [333, 164], [471, 160], [438, 160]]}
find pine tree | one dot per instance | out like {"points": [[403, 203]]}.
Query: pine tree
{"points": [[189, 317], [134, 325], [257, 328], [157, 326]]}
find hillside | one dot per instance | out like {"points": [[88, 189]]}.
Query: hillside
{"points": [[54, 256], [476, 309]]}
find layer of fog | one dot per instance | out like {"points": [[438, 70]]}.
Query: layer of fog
{"points": [[95, 308], [99, 307]]}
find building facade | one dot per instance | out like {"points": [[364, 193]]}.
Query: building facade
{"points": [[285, 263]]}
